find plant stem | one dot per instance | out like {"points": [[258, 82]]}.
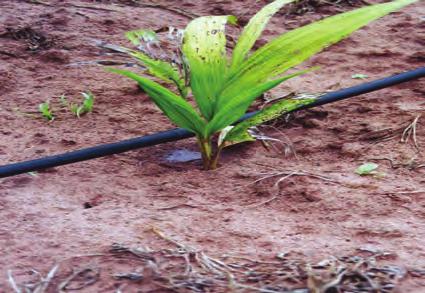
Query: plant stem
{"points": [[216, 156], [206, 151]]}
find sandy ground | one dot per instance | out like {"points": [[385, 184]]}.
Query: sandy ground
{"points": [[86, 207]]}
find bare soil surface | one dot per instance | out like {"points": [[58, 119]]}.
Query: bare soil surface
{"points": [[322, 209]]}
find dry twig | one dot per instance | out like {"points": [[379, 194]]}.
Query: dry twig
{"points": [[410, 132], [91, 276], [289, 173], [181, 205], [44, 283], [12, 282], [411, 164], [283, 175]]}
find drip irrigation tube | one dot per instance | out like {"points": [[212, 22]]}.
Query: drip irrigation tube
{"points": [[179, 133]]}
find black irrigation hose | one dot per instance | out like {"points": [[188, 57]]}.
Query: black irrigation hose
{"points": [[179, 133]]}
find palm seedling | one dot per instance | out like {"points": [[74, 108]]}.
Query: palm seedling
{"points": [[222, 86]]}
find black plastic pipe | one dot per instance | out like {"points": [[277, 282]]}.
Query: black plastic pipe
{"points": [[179, 133]]}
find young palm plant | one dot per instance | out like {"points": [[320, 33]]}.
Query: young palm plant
{"points": [[222, 86]]}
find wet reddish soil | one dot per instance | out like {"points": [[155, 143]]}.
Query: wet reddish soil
{"points": [[324, 209]]}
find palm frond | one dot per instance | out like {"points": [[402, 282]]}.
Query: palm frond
{"points": [[235, 104], [253, 30], [300, 44], [239, 133], [204, 47], [177, 109], [162, 70]]}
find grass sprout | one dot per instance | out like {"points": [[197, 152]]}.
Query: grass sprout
{"points": [[46, 111], [85, 107]]}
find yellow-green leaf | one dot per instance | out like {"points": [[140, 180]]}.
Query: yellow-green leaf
{"points": [[235, 104], [253, 30], [161, 69], [176, 108], [204, 47], [239, 133], [147, 36], [298, 45]]}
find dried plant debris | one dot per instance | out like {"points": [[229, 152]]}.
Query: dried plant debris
{"points": [[412, 163], [34, 39], [39, 284], [182, 268], [162, 44], [407, 132], [79, 279]]}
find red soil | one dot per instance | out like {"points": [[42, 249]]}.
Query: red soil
{"points": [[44, 219]]}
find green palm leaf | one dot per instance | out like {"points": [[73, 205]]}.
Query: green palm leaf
{"points": [[204, 47], [161, 69], [176, 108], [236, 103], [157, 68], [239, 133], [253, 30], [298, 45]]}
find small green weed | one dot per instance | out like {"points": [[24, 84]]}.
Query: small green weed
{"points": [[359, 76], [370, 169], [46, 111], [85, 107], [78, 110], [367, 169]]}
